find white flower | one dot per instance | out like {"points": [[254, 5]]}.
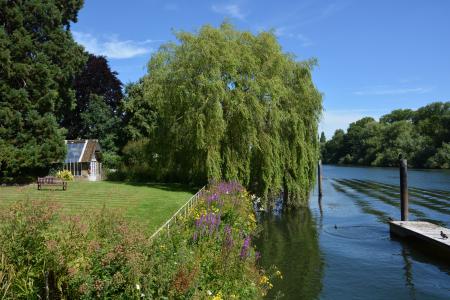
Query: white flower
{"points": [[142, 295], [209, 292], [138, 287]]}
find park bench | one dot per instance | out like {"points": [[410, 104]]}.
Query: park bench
{"points": [[50, 180]]}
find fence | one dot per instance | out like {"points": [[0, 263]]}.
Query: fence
{"points": [[92, 170], [183, 210], [74, 167]]}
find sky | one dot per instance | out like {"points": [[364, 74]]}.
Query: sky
{"points": [[374, 56]]}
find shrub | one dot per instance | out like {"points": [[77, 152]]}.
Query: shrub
{"points": [[46, 254], [65, 175]]}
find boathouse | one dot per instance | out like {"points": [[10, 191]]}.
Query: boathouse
{"points": [[83, 159]]}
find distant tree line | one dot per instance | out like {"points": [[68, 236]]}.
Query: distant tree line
{"points": [[422, 136]]}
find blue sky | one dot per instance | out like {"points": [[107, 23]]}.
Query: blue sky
{"points": [[374, 56]]}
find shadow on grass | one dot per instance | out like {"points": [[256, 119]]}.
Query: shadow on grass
{"points": [[52, 190], [170, 187]]}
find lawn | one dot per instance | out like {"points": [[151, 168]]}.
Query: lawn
{"points": [[151, 204]]}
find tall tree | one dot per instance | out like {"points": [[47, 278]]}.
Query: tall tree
{"points": [[229, 104], [96, 78], [96, 113], [398, 115], [38, 61], [433, 120]]}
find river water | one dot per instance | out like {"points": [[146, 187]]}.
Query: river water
{"points": [[340, 247]]}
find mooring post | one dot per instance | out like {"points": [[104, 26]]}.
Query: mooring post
{"points": [[319, 177], [404, 189]]}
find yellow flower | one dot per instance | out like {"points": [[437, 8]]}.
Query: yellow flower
{"points": [[218, 296], [278, 273], [264, 280], [251, 216]]}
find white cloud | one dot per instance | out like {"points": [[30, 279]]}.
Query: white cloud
{"points": [[386, 90], [340, 119], [305, 41], [232, 10], [111, 46], [284, 32]]}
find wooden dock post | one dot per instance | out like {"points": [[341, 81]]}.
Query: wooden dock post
{"points": [[404, 189], [319, 177]]}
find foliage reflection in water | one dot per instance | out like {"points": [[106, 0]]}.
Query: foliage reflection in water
{"points": [[340, 247], [290, 242]]}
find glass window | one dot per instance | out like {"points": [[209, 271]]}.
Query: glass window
{"points": [[74, 151]]}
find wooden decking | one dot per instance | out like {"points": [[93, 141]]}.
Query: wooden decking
{"points": [[425, 232]]}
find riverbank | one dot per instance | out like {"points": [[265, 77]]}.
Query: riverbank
{"points": [[101, 254]]}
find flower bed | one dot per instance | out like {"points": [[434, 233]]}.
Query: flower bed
{"points": [[207, 255]]}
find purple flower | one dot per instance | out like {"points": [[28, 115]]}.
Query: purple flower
{"points": [[195, 236], [208, 223], [228, 240], [257, 255], [245, 248]]}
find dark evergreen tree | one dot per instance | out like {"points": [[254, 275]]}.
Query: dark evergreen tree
{"points": [[96, 78], [322, 139], [38, 62], [96, 113]]}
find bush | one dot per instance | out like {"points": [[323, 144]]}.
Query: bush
{"points": [[103, 255], [65, 175], [441, 159], [136, 163]]}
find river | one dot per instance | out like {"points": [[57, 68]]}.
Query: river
{"points": [[340, 247]]}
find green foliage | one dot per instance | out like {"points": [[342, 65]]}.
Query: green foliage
{"points": [[100, 122], [96, 114], [228, 104], [421, 136], [38, 61], [398, 115], [139, 115], [101, 255], [441, 159], [65, 175]]}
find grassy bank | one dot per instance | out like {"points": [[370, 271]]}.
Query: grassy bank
{"points": [[100, 255], [150, 204]]}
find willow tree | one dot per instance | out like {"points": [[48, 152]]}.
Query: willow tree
{"points": [[231, 105]]}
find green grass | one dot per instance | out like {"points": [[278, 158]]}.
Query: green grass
{"points": [[151, 204]]}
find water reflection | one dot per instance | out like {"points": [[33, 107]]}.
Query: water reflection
{"points": [[340, 247], [290, 242], [408, 273]]}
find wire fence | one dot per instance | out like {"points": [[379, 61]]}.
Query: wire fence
{"points": [[184, 210]]}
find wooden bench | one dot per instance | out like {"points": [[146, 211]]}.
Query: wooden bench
{"points": [[50, 180]]}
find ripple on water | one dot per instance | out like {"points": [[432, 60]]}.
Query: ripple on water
{"points": [[357, 232]]}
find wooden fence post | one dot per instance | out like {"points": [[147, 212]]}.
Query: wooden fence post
{"points": [[404, 189]]}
